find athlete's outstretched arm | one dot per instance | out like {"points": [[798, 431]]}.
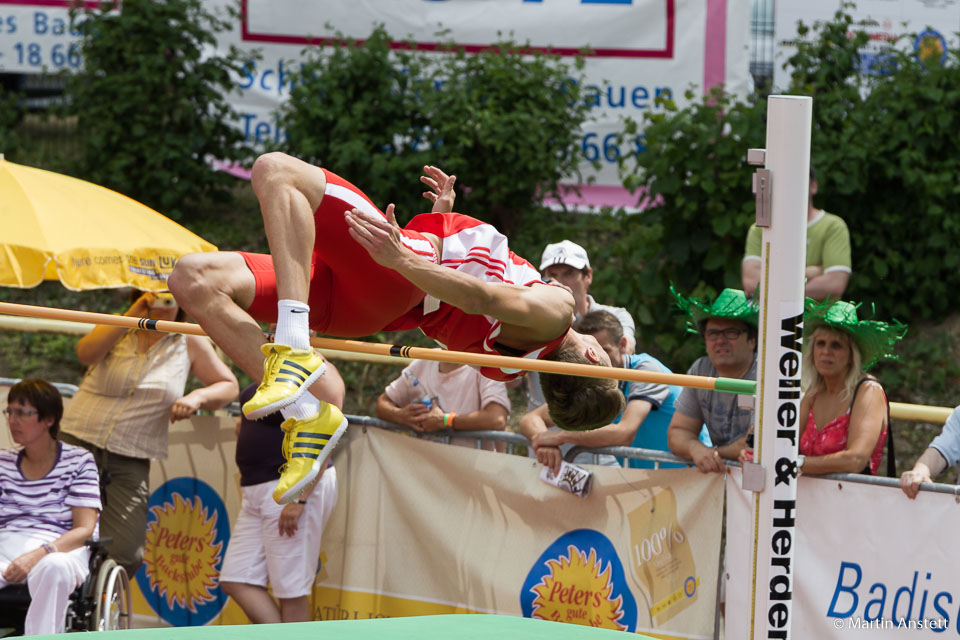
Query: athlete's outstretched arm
{"points": [[545, 310]]}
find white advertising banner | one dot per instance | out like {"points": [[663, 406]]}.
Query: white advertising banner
{"points": [[867, 559], [641, 49], [935, 23], [423, 528], [35, 36]]}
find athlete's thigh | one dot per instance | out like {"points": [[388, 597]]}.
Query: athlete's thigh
{"points": [[277, 168], [234, 277], [351, 295], [260, 300], [200, 275]]}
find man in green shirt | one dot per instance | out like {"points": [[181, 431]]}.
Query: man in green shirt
{"points": [[828, 254]]}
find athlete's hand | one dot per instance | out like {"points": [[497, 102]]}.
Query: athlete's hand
{"points": [[441, 192], [380, 237]]}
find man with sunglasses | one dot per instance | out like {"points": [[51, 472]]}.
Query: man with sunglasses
{"points": [[728, 326]]}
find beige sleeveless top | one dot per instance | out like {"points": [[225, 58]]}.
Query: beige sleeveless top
{"points": [[123, 404]]}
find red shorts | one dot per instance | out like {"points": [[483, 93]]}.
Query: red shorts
{"points": [[350, 294]]}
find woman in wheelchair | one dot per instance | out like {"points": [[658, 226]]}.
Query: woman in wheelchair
{"points": [[49, 505]]}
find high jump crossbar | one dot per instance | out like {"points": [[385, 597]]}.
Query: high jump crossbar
{"points": [[725, 385], [898, 410]]}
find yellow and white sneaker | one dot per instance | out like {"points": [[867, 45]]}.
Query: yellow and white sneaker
{"points": [[306, 446], [287, 374]]}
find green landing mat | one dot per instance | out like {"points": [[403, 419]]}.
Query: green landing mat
{"points": [[454, 627]]}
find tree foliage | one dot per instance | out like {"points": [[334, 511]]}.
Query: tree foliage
{"points": [[884, 147], [356, 109], [505, 121], [9, 118], [151, 100], [694, 164]]}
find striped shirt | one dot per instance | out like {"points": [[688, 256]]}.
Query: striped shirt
{"points": [[45, 504], [123, 404], [478, 249]]}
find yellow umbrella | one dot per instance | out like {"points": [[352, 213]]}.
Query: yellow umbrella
{"points": [[54, 227]]}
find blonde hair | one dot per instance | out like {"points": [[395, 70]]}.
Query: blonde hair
{"points": [[811, 380]]}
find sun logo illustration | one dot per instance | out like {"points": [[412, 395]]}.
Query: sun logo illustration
{"points": [[930, 47], [578, 589], [182, 555]]}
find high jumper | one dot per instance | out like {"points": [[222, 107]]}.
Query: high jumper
{"points": [[342, 267]]}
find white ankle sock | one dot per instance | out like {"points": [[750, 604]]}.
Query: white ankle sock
{"points": [[293, 324], [306, 406]]}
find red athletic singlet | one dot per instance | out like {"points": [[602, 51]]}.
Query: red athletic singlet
{"points": [[351, 295]]}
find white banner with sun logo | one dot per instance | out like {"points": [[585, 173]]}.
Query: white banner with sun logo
{"points": [[426, 528], [185, 546]]}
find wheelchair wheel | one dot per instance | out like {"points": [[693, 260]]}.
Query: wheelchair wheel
{"points": [[113, 598]]}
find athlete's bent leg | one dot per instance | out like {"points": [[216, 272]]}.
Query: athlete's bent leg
{"points": [[216, 289], [289, 191]]}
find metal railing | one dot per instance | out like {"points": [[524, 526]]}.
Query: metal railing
{"points": [[657, 457], [514, 440]]}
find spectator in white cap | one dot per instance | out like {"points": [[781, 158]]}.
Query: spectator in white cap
{"points": [[567, 263]]}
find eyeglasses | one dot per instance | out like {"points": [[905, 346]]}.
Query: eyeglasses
{"points": [[19, 413], [731, 333]]}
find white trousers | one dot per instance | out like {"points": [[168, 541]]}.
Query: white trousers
{"points": [[258, 554], [51, 581]]}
